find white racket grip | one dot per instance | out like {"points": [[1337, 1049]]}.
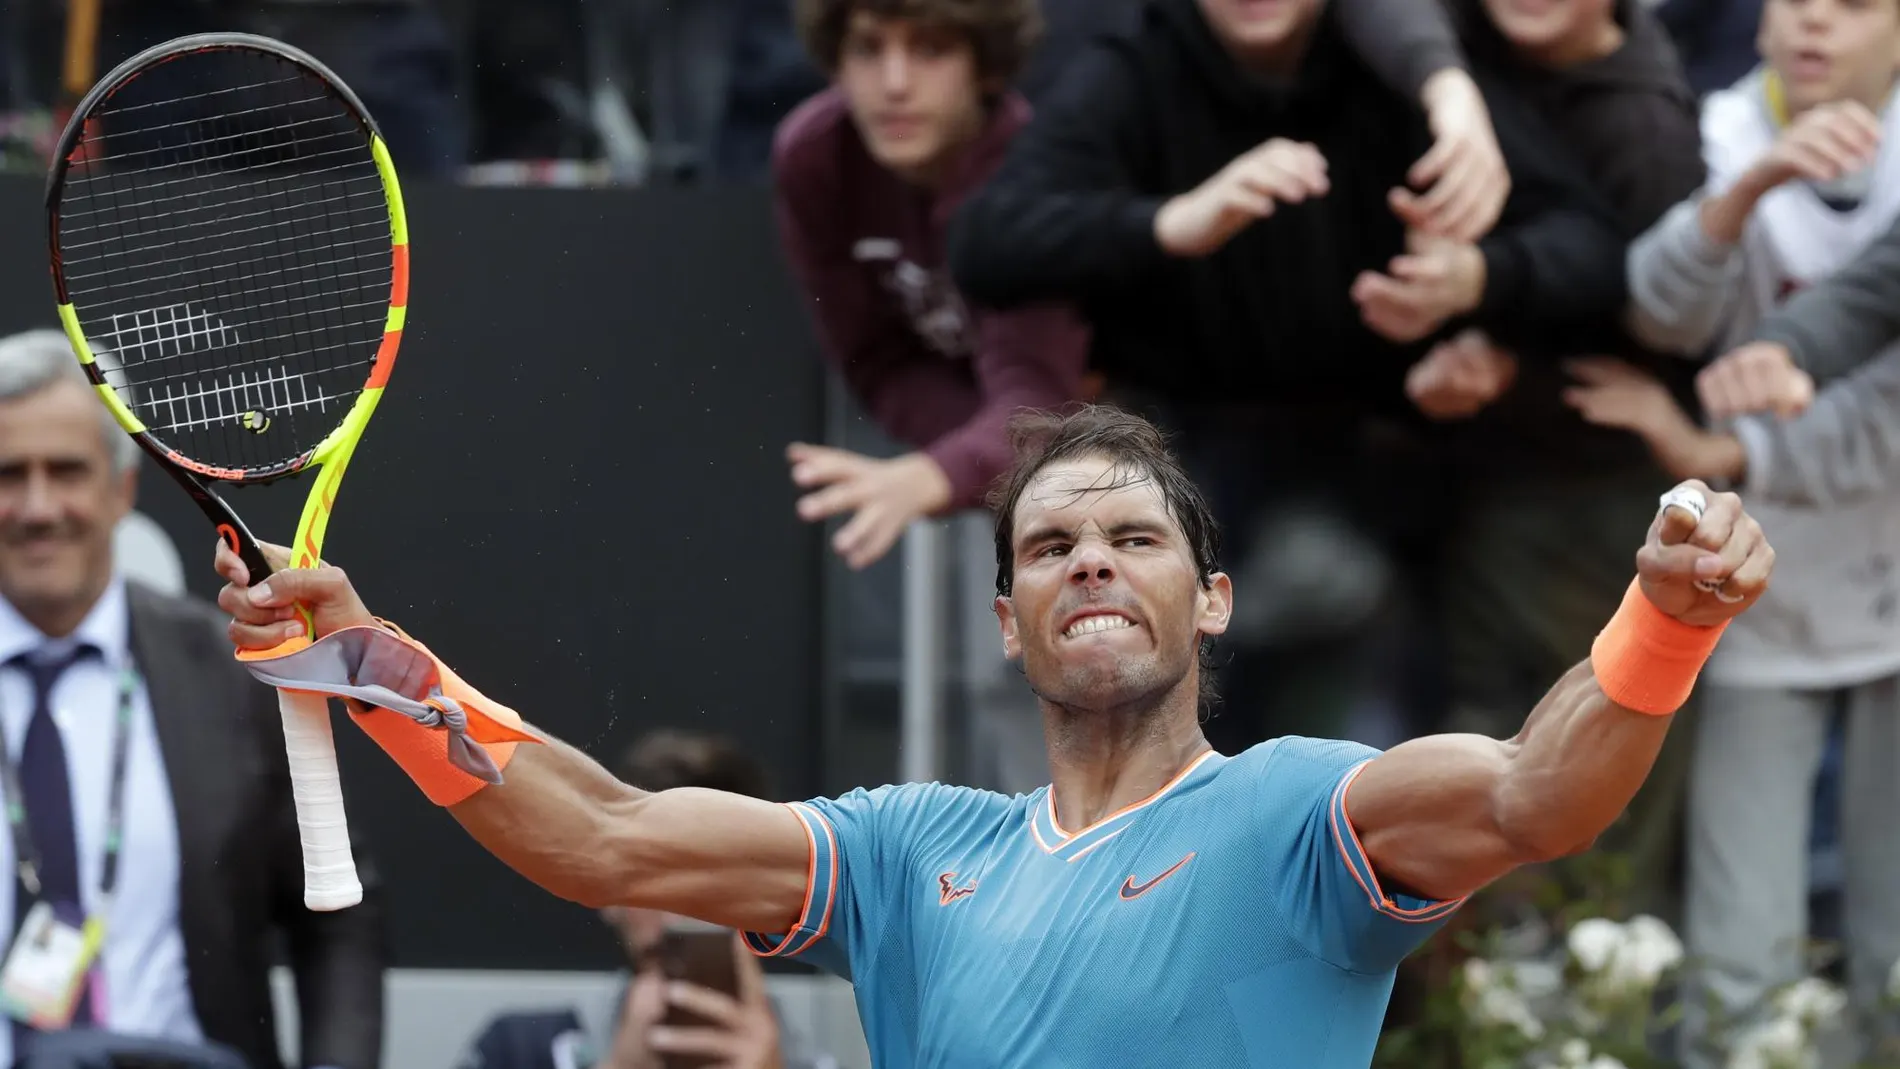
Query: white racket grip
{"points": [[329, 869]]}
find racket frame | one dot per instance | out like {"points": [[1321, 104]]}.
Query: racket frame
{"points": [[330, 877]]}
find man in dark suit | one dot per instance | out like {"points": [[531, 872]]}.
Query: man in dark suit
{"points": [[198, 863]]}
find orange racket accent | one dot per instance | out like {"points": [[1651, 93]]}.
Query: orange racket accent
{"points": [[385, 360], [208, 470], [398, 301], [399, 277], [230, 536]]}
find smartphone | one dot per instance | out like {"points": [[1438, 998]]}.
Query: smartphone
{"points": [[704, 957]]}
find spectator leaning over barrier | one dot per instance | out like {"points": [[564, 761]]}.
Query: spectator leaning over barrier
{"points": [[1524, 582], [1224, 188], [866, 175], [1798, 185]]}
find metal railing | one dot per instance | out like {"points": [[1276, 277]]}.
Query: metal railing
{"points": [[921, 744]]}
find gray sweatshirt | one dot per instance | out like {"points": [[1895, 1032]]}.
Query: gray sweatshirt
{"points": [[1825, 486], [1839, 324]]}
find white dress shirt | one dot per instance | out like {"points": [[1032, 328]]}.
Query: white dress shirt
{"points": [[144, 987]]}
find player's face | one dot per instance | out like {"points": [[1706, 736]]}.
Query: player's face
{"points": [[59, 502], [1261, 31], [913, 91], [1105, 610], [1826, 50], [1550, 26]]}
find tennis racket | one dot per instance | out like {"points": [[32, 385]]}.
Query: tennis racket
{"points": [[231, 262]]}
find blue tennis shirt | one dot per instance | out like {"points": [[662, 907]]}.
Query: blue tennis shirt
{"points": [[1231, 919]]}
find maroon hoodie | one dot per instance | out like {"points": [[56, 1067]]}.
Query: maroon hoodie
{"points": [[867, 247]]}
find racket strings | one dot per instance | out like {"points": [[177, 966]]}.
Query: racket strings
{"points": [[228, 251], [191, 196], [179, 335]]}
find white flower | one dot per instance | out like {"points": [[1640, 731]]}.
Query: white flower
{"points": [[1478, 974], [1649, 950], [1492, 998], [1812, 1002], [1781, 1043], [1574, 1054], [1536, 980], [1625, 956], [1593, 942]]}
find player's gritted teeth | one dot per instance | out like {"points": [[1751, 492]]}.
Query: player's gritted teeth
{"points": [[1095, 622]]}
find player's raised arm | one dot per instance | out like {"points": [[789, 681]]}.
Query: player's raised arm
{"points": [[556, 816], [1444, 815]]}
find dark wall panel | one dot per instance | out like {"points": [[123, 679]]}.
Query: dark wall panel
{"points": [[575, 492]]}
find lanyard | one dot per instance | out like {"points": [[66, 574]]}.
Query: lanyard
{"points": [[1776, 98], [26, 853]]}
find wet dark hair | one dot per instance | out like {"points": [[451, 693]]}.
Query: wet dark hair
{"points": [[1137, 452], [666, 759]]}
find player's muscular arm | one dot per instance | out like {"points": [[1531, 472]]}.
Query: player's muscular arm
{"points": [[558, 817], [1443, 816], [565, 823]]}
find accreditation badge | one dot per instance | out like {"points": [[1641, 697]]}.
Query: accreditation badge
{"points": [[49, 960]]}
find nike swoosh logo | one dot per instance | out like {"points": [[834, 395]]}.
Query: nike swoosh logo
{"points": [[1132, 890]]}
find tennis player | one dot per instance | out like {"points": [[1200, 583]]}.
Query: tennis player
{"points": [[1160, 904]]}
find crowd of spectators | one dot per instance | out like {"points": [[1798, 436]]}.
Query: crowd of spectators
{"points": [[1436, 298], [1444, 295]]}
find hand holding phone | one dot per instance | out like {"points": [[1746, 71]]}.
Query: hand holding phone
{"points": [[717, 1013]]}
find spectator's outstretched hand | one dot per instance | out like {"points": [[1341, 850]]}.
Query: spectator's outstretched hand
{"points": [[1612, 393], [1200, 221], [883, 496], [1825, 143], [1757, 377], [1463, 179], [1435, 281], [1460, 376]]}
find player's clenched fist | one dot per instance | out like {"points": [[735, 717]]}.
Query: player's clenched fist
{"points": [[1205, 218], [265, 615], [1706, 560]]}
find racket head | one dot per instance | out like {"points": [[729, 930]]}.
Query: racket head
{"points": [[230, 256]]}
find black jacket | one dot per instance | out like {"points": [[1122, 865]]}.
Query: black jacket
{"points": [[1150, 113], [1629, 119], [1631, 125], [240, 870]]}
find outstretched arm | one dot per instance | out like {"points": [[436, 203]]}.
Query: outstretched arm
{"points": [[568, 825], [559, 818], [1444, 815]]}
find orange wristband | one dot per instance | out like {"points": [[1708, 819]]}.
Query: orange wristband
{"points": [[1647, 660], [423, 752]]}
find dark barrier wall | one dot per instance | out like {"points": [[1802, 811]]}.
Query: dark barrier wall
{"points": [[575, 492]]}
